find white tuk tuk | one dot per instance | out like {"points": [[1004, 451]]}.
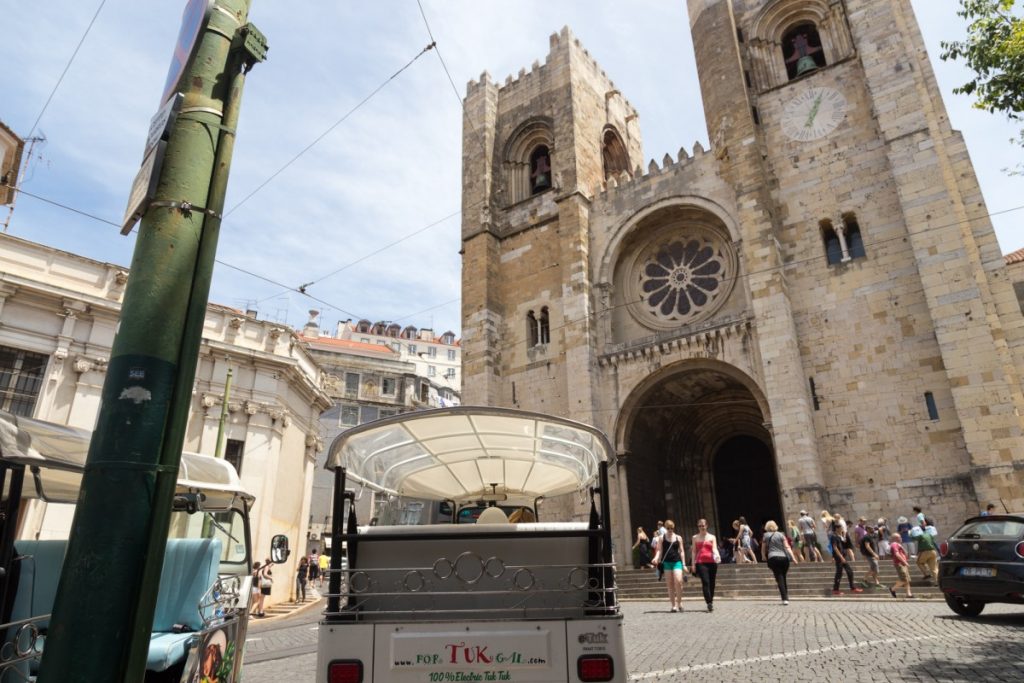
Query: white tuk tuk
{"points": [[498, 593], [202, 607]]}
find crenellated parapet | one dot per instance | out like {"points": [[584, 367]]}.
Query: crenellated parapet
{"points": [[684, 160]]}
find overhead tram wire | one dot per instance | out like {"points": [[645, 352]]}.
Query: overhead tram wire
{"points": [[329, 129], [462, 103], [302, 288], [66, 67], [785, 266], [433, 44]]}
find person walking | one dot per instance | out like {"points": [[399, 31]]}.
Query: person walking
{"points": [[927, 557], [840, 522], [794, 538], [264, 577], [655, 545], [869, 549], [883, 534], [255, 599], [301, 577], [313, 566], [670, 554], [641, 550], [807, 527], [706, 558], [325, 564], [744, 536], [902, 564], [838, 543], [776, 552], [903, 527]]}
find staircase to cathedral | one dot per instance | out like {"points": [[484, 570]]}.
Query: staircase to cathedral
{"points": [[805, 580]]}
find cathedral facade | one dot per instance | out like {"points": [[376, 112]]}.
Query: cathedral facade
{"points": [[812, 314]]}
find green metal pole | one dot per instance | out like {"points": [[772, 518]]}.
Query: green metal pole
{"points": [[106, 598], [218, 451]]}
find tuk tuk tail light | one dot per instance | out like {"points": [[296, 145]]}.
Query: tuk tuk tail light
{"points": [[345, 671], [595, 668], [944, 549], [1020, 549]]}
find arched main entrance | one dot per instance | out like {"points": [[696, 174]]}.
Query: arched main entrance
{"points": [[698, 446]]}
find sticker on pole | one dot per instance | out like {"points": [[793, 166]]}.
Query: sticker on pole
{"points": [[192, 22]]}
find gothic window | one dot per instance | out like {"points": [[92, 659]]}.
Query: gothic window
{"points": [[802, 50], [614, 155], [531, 330], [544, 327], [833, 248], [528, 161], [790, 38], [843, 243], [854, 241], [540, 169]]}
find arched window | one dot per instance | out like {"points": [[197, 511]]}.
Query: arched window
{"points": [[531, 330], [528, 160], [409, 332], [544, 327], [540, 169], [363, 326], [854, 241], [802, 50], [393, 330], [833, 247], [613, 154], [378, 328]]}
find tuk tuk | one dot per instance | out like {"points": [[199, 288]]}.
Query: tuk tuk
{"points": [[497, 592], [202, 607]]}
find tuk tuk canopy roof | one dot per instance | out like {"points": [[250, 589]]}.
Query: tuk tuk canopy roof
{"points": [[59, 452], [469, 453]]}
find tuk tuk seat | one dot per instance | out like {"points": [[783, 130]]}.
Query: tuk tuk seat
{"points": [[190, 570]]}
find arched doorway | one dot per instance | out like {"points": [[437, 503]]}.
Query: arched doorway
{"points": [[746, 484], [697, 446]]}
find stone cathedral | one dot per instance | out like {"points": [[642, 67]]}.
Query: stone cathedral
{"points": [[812, 314]]}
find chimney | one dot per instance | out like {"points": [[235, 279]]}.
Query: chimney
{"points": [[311, 329]]}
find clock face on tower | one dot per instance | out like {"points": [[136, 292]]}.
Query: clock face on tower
{"points": [[813, 114]]}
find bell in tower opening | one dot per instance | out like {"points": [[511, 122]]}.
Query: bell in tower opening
{"points": [[801, 47], [540, 170]]}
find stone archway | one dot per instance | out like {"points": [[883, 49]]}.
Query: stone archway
{"points": [[698, 446]]}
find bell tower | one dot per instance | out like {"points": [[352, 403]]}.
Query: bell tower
{"points": [[536, 149], [867, 242]]}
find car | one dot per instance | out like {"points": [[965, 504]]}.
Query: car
{"points": [[983, 562]]}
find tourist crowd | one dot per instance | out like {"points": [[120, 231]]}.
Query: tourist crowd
{"points": [[805, 539]]}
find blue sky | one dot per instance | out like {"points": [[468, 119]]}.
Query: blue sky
{"points": [[388, 171]]}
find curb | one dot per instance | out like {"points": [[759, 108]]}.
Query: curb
{"points": [[299, 609]]}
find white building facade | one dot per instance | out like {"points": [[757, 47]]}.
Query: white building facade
{"points": [[58, 317]]}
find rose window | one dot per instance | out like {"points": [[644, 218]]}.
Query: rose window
{"points": [[681, 277]]}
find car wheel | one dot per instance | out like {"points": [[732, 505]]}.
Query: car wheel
{"points": [[965, 607]]}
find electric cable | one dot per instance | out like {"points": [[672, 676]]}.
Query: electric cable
{"points": [[568, 323], [328, 131], [66, 67]]}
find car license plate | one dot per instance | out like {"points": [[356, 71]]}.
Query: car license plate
{"points": [[977, 571]]}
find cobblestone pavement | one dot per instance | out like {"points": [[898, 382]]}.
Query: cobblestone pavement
{"points": [[817, 640]]}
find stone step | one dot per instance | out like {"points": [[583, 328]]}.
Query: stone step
{"points": [[756, 581]]}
